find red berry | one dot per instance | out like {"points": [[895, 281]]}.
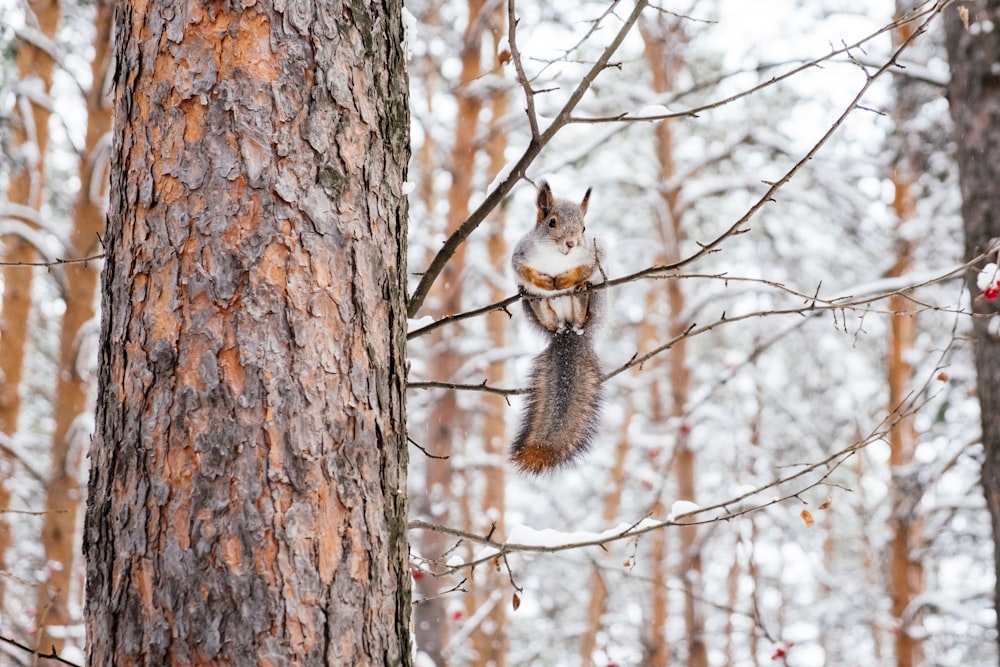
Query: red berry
{"points": [[782, 650], [992, 292]]}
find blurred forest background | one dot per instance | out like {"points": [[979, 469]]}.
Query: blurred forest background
{"points": [[803, 371]]}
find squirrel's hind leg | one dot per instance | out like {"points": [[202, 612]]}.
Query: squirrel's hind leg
{"points": [[580, 311], [541, 314]]}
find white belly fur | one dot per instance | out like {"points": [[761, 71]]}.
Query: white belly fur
{"points": [[546, 258]]}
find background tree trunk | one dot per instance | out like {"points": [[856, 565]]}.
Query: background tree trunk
{"points": [[664, 42], [905, 569], [60, 592], [29, 133], [447, 423], [488, 587], [247, 501], [974, 95]]}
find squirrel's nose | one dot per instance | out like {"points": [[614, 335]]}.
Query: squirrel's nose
{"points": [[570, 244]]}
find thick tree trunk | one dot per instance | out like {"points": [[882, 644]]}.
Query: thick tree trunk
{"points": [[247, 496], [974, 95]]}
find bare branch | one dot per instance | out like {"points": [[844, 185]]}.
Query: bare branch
{"points": [[426, 453], [814, 306], [499, 305], [57, 261], [431, 384], [38, 654], [522, 78], [457, 588]]}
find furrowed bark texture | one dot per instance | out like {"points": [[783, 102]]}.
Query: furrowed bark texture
{"points": [[246, 502], [974, 96]]}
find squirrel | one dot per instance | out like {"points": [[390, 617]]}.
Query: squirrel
{"points": [[553, 264]]}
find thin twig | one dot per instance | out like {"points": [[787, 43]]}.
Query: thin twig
{"points": [[522, 78], [457, 588], [56, 262], [457, 386], [48, 656]]}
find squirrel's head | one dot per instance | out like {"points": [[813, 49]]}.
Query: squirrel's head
{"points": [[561, 220]]}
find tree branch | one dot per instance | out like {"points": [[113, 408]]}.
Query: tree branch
{"points": [[57, 261], [38, 654]]}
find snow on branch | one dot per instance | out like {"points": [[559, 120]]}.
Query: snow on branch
{"points": [[808, 476], [524, 539]]}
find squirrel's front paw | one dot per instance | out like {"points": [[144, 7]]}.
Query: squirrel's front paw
{"points": [[545, 282]]}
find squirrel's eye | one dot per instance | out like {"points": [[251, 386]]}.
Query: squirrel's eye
{"points": [[552, 223]]}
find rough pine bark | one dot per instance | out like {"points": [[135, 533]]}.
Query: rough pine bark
{"points": [[247, 498], [974, 96]]}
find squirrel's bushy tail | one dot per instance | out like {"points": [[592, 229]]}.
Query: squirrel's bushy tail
{"points": [[562, 410]]}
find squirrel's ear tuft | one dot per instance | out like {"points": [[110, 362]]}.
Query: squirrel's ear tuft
{"points": [[585, 202], [545, 200]]}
